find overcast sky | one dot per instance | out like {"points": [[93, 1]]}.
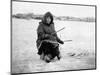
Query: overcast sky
{"points": [[55, 9]]}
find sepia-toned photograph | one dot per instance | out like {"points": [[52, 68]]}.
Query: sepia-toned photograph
{"points": [[52, 37]]}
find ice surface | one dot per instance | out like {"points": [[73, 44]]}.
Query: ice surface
{"points": [[76, 54]]}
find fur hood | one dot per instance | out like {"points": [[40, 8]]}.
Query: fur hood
{"points": [[48, 14]]}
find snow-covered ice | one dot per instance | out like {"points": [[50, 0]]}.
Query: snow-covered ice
{"points": [[76, 54]]}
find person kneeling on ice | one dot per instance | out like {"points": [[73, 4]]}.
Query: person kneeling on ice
{"points": [[48, 41]]}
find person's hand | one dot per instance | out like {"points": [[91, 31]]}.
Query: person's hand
{"points": [[61, 42], [48, 35]]}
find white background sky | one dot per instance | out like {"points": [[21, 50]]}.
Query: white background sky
{"points": [[55, 9], [5, 37]]}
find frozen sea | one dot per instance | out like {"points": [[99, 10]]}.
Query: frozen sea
{"points": [[76, 54]]}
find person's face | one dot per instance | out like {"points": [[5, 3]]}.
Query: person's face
{"points": [[48, 20]]}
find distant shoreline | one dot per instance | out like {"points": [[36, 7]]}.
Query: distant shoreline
{"points": [[29, 16]]}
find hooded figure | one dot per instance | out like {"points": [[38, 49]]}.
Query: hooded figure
{"points": [[46, 31]]}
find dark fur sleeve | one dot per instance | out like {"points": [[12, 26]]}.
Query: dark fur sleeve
{"points": [[40, 32]]}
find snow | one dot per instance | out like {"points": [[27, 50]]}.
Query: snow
{"points": [[76, 54]]}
